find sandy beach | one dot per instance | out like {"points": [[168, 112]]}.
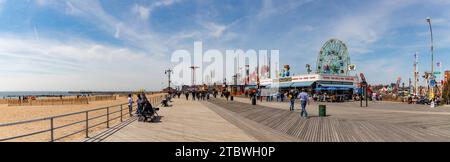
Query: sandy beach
{"points": [[21, 113]]}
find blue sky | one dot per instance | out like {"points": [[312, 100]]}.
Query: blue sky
{"points": [[126, 45]]}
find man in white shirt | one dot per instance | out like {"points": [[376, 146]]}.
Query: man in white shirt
{"points": [[303, 96], [130, 104]]}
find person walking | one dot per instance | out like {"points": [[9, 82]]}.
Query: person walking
{"points": [[374, 96], [227, 95], [187, 95], [130, 104], [303, 96], [292, 101]]}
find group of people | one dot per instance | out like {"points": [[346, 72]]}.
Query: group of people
{"points": [[141, 101], [423, 100], [199, 95], [304, 98]]}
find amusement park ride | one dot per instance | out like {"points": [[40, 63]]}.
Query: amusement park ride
{"points": [[333, 58], [333, 73]]}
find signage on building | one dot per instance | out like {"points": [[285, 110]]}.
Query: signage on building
{"points": [[432, 83], [287, 79]]}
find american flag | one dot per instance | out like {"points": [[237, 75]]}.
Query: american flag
{"points": [[438, 64]]}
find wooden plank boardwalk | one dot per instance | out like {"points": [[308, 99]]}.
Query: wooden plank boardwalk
{"points": [[185, 121], [355, 126], [221, 120]]}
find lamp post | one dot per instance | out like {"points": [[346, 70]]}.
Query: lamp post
{"points": [[193, 67], [247, 75], [168, 72], [234, 88], [416, 74], [432, 60]]}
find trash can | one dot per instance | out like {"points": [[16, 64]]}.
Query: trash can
{"points": [[253, 100], [322, 110], [231, 98]]}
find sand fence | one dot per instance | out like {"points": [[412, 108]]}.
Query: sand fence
{"points": [[70, 126], [70, 100]]}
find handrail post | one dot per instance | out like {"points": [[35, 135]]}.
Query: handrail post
{"points": [[87, 124], [107, 117], [121, 114], [51, 130]]}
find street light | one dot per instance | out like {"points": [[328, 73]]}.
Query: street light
{"points": [[193, 67], [432, 59], [168, 72]]}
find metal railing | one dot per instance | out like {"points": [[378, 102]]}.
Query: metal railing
{"points": [[153, 100]]}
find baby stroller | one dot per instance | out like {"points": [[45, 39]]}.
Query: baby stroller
{"points": [[149, 113]]}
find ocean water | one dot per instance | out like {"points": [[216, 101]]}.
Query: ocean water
{"points": [[15, 94]]}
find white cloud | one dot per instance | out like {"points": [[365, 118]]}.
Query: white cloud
{"points": [[215, 30], [117, 33], [48, 64], [136, 35], [142, 11], [270, 7], [165, 3]]}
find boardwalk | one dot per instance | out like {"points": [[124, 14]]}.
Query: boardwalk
{"points": [[186, 121], [349, 123], [221, 120]]}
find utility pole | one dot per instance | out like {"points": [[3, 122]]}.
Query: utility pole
{"points": [[416, 74], [432, 61], [234, 87], [409, 86], [247, 75], [168, 72]]}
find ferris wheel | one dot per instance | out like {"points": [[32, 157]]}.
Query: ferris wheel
{"points": [[333, 58]]}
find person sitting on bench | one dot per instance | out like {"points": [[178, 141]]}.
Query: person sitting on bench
{"points": [[165, 103]]}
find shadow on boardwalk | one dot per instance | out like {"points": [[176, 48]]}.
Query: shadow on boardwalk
{"points": [[105, 134]]}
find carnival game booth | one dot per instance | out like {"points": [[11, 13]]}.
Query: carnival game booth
{"points": [[324, 87]]}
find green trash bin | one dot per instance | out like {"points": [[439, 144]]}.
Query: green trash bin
{"points": [[322, 110]]}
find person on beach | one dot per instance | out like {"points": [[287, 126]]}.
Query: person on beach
{"points": [[179, 94], [303, 96], [130, 104], [193, 95]]}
